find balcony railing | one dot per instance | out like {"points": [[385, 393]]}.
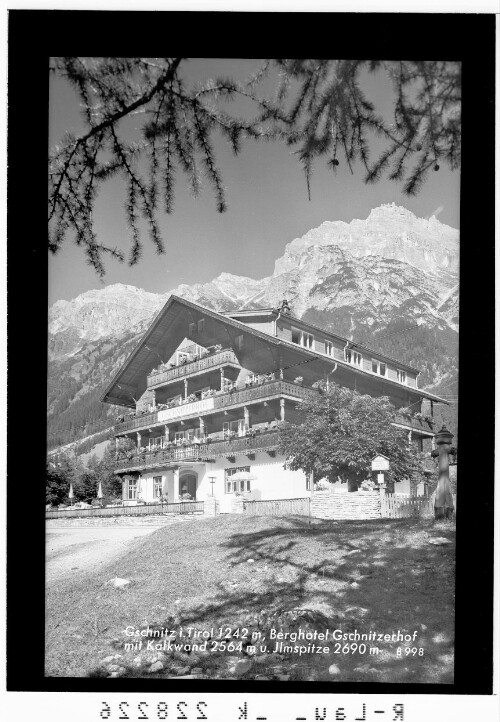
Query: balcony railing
{"points": [[138, 422], [263, 391], [417, 424], [220, 358], [267, 390], [240, 397], [200, 452]]}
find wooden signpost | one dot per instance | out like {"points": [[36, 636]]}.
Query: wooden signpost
{"points": [[380, 464]]}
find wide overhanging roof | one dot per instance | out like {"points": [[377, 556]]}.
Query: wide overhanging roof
{"points": [[166, 333], [262, 351]]}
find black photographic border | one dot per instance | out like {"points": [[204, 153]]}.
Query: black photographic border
{"points": [[33, 37]]}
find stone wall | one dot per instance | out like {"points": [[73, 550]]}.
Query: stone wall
{"points": [[355, 505]]}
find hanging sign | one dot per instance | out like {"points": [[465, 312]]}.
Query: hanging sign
{"points": [[380, 463], [195, 407]]}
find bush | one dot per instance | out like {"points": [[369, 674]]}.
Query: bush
{"points": [[367, 485], [323, 485]]}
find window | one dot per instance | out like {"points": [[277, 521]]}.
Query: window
{"points": [[201, 325], [157, 443], [192, 329], [302, 338], [329, 348], [352, 357], [239, 341], [132, 489], [234, 428], [308, 340], [418, 443], [378, 367], [202, 393], [158, 485], [401, 375], [241, 485], [188, 435]]}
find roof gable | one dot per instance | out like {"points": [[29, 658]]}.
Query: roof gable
{"points": [[177, 320], [180, 319]]}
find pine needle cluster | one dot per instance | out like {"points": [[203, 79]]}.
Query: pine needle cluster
{"points": [[318, 106]]}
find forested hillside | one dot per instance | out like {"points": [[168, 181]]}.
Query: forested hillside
{"points": [[75, 385]]}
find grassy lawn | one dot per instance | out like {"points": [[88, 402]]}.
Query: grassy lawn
{"points": [[371, 576]]}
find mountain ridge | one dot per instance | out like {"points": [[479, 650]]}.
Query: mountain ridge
{"points": [[334, 248], [330, 276]]}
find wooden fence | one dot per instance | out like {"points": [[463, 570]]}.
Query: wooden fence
{"points": [[183, 507], [399, 506], [277, 507]]}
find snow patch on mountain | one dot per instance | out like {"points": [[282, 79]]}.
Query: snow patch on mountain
{"points": [[389, 261]]}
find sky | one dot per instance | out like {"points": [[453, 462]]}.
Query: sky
{"points": [[268, 205]]}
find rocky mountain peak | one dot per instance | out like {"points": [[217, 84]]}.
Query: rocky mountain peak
{"points": [[102, 312], [372, 266], [390, 281], [389, 231]]}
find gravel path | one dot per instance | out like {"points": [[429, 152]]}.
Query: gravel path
{"points": [[70, 550]]}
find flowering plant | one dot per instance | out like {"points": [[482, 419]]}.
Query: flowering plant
{"points": [[367, 485], [323, 485]]}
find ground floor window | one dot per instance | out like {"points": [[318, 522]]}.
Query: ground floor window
{"points": [[132, 489], [158, 484], [419, 443], [236, 485]]}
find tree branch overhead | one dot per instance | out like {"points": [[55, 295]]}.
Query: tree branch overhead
{"points": [[319, 108]]}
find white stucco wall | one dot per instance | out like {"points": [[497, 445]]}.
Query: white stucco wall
{"points": [[272, 480]]}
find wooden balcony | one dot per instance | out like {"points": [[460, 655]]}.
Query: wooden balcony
{"points": [[267, 390], [214, 361], [266, 441], [239, 397], [242, 397], [415, 424], [138, 422]]}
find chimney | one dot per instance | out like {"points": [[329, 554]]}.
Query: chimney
{"points": [[285, 307]]}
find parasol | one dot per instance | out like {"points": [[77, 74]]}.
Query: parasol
{"points": [[243, 476]]}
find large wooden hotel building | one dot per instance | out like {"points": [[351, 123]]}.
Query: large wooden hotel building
{"points": [[204, 394]]}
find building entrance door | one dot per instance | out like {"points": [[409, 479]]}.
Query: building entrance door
{"points": [[188, 485]]}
